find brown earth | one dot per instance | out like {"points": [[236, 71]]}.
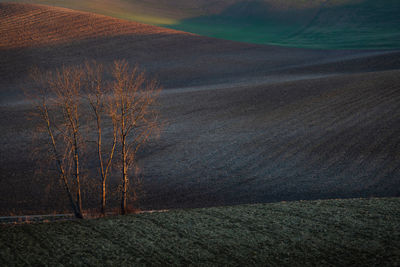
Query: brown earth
{"points": [[244, 123]]}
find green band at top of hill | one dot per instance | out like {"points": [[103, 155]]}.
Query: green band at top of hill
{"points": [[324, 24]]}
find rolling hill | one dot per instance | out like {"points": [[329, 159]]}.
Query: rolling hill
{"points": [[30, 33], [335, 24], [245, 123]]}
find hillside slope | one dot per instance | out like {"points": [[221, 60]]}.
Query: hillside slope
{"points": [[336, 24], [25, 25], [243, 123], [361, 232], [31, 33], [364, 24]]}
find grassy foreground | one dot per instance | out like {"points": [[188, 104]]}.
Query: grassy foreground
{"points": [[330, 232]]}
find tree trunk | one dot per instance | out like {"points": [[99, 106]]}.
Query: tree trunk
{"points": [[103, 199], [124, 177], [77, 176], [103, 175], [124, 196], [77, 212]]}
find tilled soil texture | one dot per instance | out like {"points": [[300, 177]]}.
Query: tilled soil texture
{"points": [[242, 123], [322, 24]]}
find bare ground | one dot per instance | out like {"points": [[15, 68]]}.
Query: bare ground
{"points": [[244, 123]]}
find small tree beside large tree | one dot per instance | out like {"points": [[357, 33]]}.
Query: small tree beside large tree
{"points": [[122, 105], [58, 102], [100, 97], [133, 99]]}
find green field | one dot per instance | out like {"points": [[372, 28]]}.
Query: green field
{"points": [[335, 24], [367, 25], [361, 232]]}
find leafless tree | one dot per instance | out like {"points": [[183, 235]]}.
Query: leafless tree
{"points": [[57, 100], [133, 100], [122, 107], [99, 97]]}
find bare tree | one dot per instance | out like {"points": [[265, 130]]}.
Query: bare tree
{"points": [[133, 99], [99, 97], [60, 93], [122, 111]]}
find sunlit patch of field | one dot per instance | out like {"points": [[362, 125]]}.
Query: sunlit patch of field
{"points": [[336, 24], [361, 232], [19, 26], [139, 11]]}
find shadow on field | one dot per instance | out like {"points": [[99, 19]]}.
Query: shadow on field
{"points": [[244, 123]]}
